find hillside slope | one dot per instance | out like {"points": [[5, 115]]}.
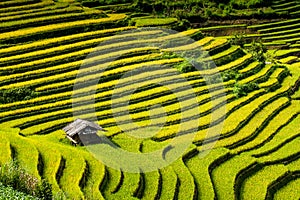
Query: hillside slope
{"points": [[244, 139]]}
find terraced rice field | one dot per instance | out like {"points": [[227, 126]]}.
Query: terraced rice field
{"points": [[242, 148]]}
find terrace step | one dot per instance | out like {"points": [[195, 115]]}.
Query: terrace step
{"points": [[257, 123], [274, 24], [279, 123], [31, 11], [47, 11], [290, 8], [44, 44], [72, 172], [23, 149], [289, 60], [26, 6], [60, 29], [170, 183], [199, 167], [9, 4], [289, 188], [286, 133], [6, 154], [91, 178], [114, 181], [285, 152], [187, 188], [129, 188], [256, 185], [231, 107], [283, 3], [152, 185], [279, 28], [224, 175], [294, 165], [51, 163]]}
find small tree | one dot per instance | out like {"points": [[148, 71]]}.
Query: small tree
{"points": [[258, 49], [239, 40], [243, 89]]}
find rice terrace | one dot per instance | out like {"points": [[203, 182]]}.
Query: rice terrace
{"points": [[150, 99]]}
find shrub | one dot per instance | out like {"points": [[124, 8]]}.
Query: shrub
{"points": [[230, 75], [9, 193], [14, 176], [257, 49], [17, 94], [93, 3], [239, 40], [181, 25], [238, 4], [184, 67], [243, 89]]}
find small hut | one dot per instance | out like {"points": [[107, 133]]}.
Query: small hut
{"points": [[83, 132]]}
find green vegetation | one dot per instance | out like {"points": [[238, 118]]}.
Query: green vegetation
{"points": [[10, 194], [154, 22], [243, 110], [203, 9], [14, 176], [258, 50], [243, 89], [17, 94]]}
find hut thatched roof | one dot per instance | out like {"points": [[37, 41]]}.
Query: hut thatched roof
{"points": [[80, 124]]}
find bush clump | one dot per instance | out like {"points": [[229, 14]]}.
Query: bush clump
{"points": [[258, 50], [17, 94], [243, 89], [12, 175], [9, 193]]}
